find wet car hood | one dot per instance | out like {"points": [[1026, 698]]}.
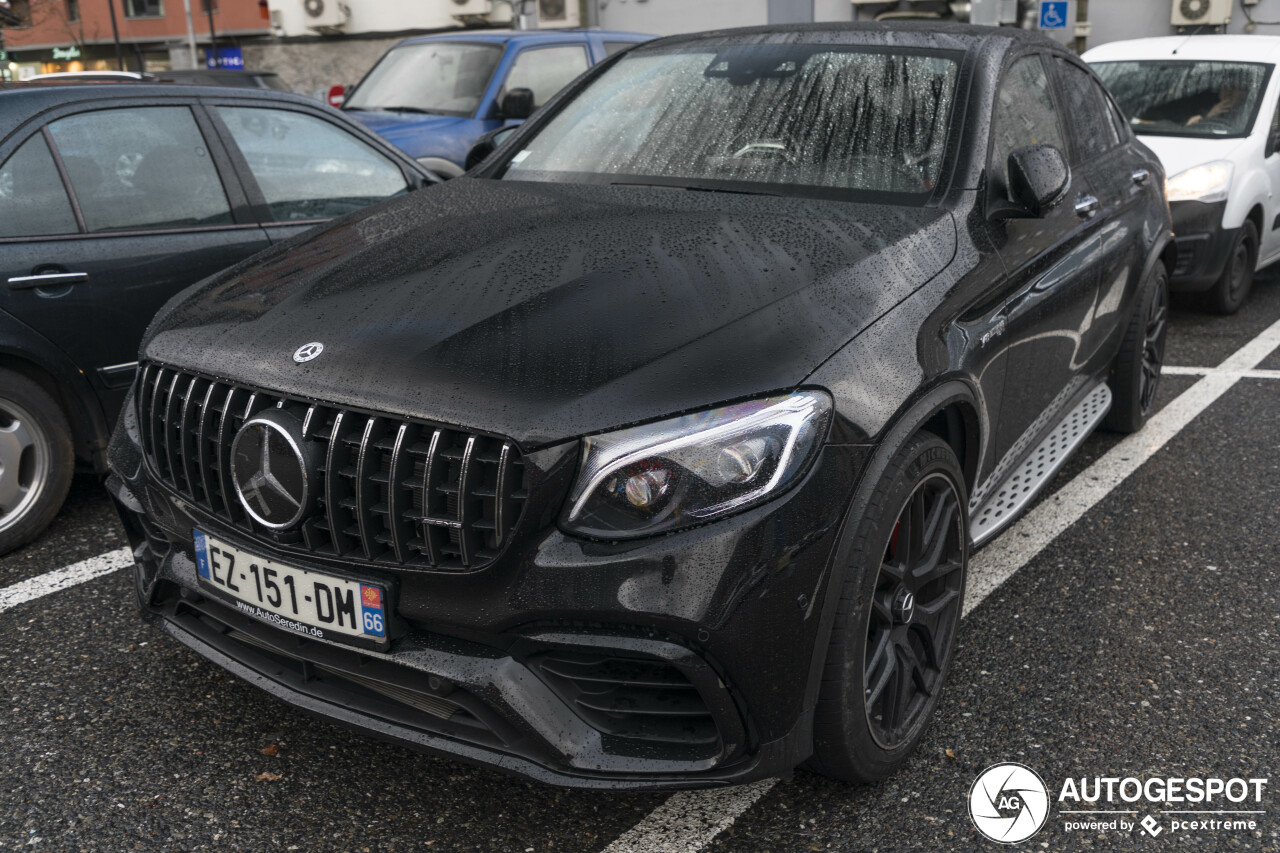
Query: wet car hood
{"points": [[545, 311], [411, 132]]}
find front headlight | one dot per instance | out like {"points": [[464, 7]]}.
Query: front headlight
{"points": [[1207, 183], [687, 470]]}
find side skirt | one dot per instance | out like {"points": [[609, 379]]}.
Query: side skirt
{"points": [[1025, 481]]}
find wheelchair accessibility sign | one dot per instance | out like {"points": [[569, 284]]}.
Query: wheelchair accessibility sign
{"points": [[1053, 14]]}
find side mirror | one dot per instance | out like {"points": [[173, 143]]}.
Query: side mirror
{"points": [[517, 104], [486, 145], [1038, 179], [1273, 144]]}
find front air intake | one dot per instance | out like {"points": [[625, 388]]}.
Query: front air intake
{"points": [[389, 490]]}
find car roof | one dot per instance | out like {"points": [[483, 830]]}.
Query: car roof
{"points": [[910, 33], [522, 36], [215, 72], [23, 100], [1240, 48]]}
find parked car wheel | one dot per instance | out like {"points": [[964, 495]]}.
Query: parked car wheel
{"points": [[891, 644], [36, 459], [1135, 376], [1232, 289]]}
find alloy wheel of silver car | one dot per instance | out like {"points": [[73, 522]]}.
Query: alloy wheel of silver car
{"points": [[25, 455]]}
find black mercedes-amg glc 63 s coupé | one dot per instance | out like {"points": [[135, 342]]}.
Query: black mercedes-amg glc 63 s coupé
{"points": [[651, 452]]}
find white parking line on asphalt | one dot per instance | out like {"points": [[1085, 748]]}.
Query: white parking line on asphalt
{"points": [[60, 579], [1205, 371], [689, 820]]}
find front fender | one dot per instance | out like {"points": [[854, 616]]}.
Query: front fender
{"points": [[1248, 190]]}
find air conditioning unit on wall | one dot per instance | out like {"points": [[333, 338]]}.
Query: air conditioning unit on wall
{"points": [[557, 13], [1201, 13], [324, 14]]}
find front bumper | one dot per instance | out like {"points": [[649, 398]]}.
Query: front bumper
{"points": [[1203, 244], [679, 661]]}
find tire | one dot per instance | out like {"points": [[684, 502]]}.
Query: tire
{"points": [[855, 735], [1135, 374], [36, 460], [1231, 290]]}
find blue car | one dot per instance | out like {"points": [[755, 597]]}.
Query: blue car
{"points": [[434, 96]]}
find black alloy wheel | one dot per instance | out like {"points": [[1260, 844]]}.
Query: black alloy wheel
{"points": [[904, 562], [913, 612], [1135, 374], [1157, 325]]}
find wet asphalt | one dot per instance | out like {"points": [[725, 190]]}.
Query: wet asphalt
{"points": [[1144, 641]]}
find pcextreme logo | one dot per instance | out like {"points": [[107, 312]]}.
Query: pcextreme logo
{"points": [[1009, 803]]}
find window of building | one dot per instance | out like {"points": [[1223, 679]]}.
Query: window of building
{"points": [[73, 10], [143, 9]]}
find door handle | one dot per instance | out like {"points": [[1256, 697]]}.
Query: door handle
{"points": [[1140, 176], [1087, 205], [48, 279]]}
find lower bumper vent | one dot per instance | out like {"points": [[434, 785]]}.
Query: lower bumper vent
{"points": [[644, 701]]}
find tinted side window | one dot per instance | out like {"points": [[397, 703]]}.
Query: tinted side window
{"points": [[1094, 133], [306, 167], [1117, 118], [1275, 129], [33, 201], [546, 70], [145, 167], [612, 47], [1024, 115]]}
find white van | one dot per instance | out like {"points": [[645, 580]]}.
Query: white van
{"points": [[1207, 106]]}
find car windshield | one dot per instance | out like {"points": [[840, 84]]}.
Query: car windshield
{"points": [[443, 77], [796, 119], [1187, 98]]}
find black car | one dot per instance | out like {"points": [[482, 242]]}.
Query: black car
{"points": [[114, 197], [651, 452]]}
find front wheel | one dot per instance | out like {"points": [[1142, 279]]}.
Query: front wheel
{"points": [[899, 609], [1230, 291]]}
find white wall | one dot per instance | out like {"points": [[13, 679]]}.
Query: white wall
{"points": [[1115, 20], [377, 16], [832, 10], [668, 17]]}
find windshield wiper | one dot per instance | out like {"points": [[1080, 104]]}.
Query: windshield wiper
{"points": [[407, 109], [693, 188]]}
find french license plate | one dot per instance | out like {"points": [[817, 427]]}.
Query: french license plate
{"points": [[311, 603]]}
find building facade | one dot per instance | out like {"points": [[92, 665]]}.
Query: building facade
{"points": [[82, 35]]}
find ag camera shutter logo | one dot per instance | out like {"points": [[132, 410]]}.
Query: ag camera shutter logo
{"points": [[1009, 803]]}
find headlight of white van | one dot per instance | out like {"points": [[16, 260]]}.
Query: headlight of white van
{"points": [[1206, 183]]}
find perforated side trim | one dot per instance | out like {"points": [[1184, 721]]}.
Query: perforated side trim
{"points": [[1026, 481]]}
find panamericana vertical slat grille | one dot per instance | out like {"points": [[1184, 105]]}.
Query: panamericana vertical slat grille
{"points": [[391, 491]]}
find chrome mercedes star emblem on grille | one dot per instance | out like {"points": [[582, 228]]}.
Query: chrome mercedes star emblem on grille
{"points": [[306, 352], [270, 470]]}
